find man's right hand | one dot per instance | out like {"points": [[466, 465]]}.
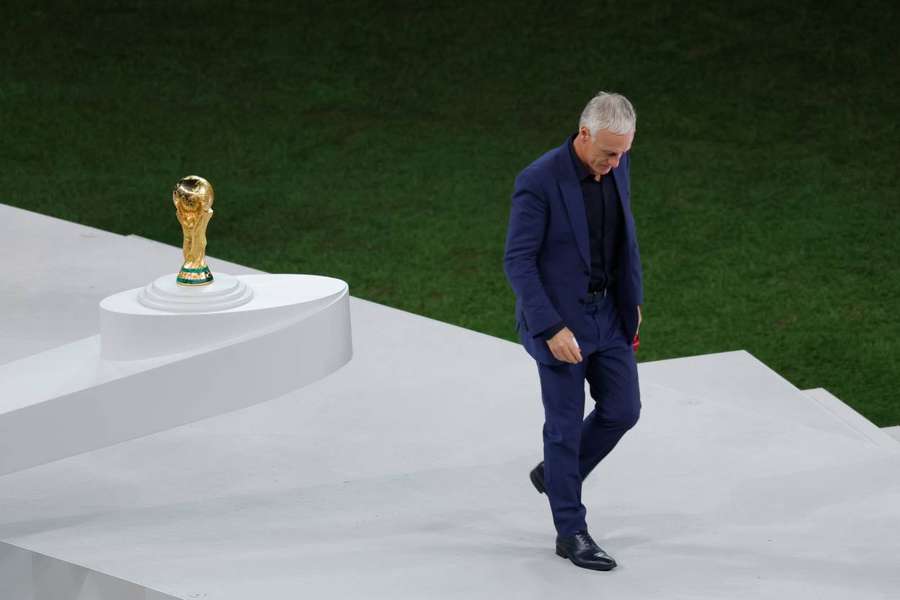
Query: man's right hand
{"points": [[563, 346]]}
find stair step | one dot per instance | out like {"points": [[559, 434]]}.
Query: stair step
{"points": [[894, 431], [844, 412]]}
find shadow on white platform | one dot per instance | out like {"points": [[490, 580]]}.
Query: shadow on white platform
{"points": [[404, 475]]}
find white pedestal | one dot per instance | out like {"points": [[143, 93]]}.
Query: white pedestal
{"points": [[223, 293]]}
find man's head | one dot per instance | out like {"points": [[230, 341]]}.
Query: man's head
{"points": [[605, 132]]}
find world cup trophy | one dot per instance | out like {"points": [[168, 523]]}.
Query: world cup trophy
{"points": [[193, 198]]}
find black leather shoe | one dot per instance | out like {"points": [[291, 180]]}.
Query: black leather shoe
{"points": [[584, 552], [537, 477]]}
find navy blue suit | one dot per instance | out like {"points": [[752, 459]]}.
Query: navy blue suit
{"points": [[548, 262]]}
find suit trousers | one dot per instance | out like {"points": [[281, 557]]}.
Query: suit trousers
{"points": [[573, 444]]}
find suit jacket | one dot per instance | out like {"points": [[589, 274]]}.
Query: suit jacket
{"points": [[548, 258]]}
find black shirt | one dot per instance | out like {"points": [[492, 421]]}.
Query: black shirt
{"points": [[605, 221]]}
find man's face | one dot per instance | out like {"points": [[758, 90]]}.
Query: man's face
{"points": [[603, 151]]}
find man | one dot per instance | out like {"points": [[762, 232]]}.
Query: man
{"points": [[572, 260]]}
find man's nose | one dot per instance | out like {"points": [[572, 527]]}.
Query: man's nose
{"points": [[614, 162]]}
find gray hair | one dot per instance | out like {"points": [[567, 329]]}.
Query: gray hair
{"points": [[612, 112]]}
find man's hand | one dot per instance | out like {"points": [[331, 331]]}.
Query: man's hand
{"points": [[564, 347]]}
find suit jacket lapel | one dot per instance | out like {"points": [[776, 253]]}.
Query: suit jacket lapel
{"points": [[573, 200], [621, 185]]}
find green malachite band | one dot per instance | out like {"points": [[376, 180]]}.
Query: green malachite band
{"points": [[193, 281], [200, 270]]}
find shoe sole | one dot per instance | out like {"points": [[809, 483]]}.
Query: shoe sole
{"points": [[536, 483], [562, 554]]}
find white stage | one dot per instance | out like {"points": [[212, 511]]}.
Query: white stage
{"points": [[405, 473]]}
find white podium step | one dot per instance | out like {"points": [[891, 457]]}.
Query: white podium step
{"points": [[853, 419]]}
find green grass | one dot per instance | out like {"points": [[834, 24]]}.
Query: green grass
{"points": [[378, 143]]}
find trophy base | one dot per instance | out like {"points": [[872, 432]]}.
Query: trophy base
{"points": [[190, 277], [170, 295]]}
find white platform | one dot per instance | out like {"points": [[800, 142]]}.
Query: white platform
{"points": [[150, 370], [404, 475]]}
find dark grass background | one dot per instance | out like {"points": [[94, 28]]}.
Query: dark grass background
{"points": [[377, 142]]}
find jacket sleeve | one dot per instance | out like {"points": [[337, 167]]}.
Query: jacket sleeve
{"points": [[528, 219]]}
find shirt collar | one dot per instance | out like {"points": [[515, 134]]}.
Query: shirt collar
{"points": [[580, 170]]}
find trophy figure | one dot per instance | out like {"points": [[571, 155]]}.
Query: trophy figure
{"points": [[193, 198]]}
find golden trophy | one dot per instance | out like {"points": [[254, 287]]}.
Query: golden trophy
{"points": [[193, 198]]}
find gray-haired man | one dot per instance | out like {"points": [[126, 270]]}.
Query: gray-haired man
{"points": [[572, 260]]}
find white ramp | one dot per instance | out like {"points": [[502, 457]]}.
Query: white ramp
{"points": [[404, 475]]}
